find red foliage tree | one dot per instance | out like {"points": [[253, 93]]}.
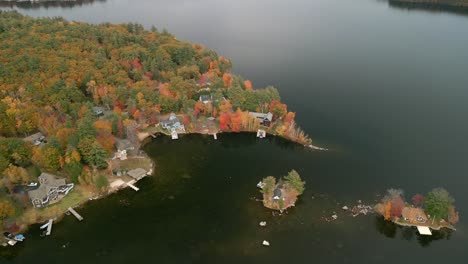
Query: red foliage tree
{"points": [[224, 121], [186, 120], [198, 108], [418, 200], [397, 206]]}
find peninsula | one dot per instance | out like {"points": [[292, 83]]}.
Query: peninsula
{"points": [[76, 101]]}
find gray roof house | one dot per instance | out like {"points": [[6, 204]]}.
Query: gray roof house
{"points": [[51, 190], [277, 194], [172, 123], [98, 110], [35, 139], [137, 173], [205, 98], [124, 144]]}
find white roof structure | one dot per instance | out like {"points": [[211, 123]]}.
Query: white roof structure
{"points": [[424, 230]]}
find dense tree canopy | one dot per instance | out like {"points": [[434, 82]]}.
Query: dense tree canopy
{"points": [[84, 85]]}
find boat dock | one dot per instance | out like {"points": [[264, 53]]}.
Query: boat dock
{"points": [[261, 133], [215, 137], [130, 184], [78, 216], [49, 227], [424, 230]]}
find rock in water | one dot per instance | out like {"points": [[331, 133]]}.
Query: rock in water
{"points": [[334, 217], [345, 207], [266, 243], [263, 223]]}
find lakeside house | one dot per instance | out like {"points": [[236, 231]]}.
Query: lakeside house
{"points": [[98, 110], [277, 193], [35, 139], [205, 98], [124, 147], [172, 123], [264, 118], [51, 190]]}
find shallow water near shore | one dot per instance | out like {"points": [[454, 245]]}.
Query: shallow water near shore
{"points": [[384, 89]]}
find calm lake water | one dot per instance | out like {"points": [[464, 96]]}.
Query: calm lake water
{"points": [[384, 88]]}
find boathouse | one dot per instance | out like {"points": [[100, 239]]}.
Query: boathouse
{"points": [[172, 123]]}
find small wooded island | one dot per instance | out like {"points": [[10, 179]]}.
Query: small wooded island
{"points": [[435, 211], [282, 194]]}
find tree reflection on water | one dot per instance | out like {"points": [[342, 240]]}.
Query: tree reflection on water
{"points": [[391, 230]]}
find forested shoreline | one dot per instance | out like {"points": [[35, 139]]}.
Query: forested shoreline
{"points": [[54, 74], [457, 6]]}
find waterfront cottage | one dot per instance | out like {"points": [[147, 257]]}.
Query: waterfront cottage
{"points": [[277, 194], [35, 139], [264, 118], [172, 123], [51, 190]]}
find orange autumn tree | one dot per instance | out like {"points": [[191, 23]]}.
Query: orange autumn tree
{"points": [[388, 208], [236, 121], [278, 109], [198, 108], [227, 79], [225, 107], [224, 121], [248, 85], [104, 134]]}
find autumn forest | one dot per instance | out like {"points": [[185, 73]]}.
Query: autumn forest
{"points": [[54, 72]]}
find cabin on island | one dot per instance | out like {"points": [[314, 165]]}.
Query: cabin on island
{"points": [[205, 98], [172, 123], [414, 215], [277, 194], [264, 118], [98, 110], [137, 173], [51, 190], [35, 139]]}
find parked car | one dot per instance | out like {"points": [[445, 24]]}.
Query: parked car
{"points": [[32, 184], [8, 235]]}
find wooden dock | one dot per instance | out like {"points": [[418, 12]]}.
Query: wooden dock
{"points": [[78, 216], [49, 227], [130, 184]]}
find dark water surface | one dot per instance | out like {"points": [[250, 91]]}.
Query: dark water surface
{"points": [[385, 88]]}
